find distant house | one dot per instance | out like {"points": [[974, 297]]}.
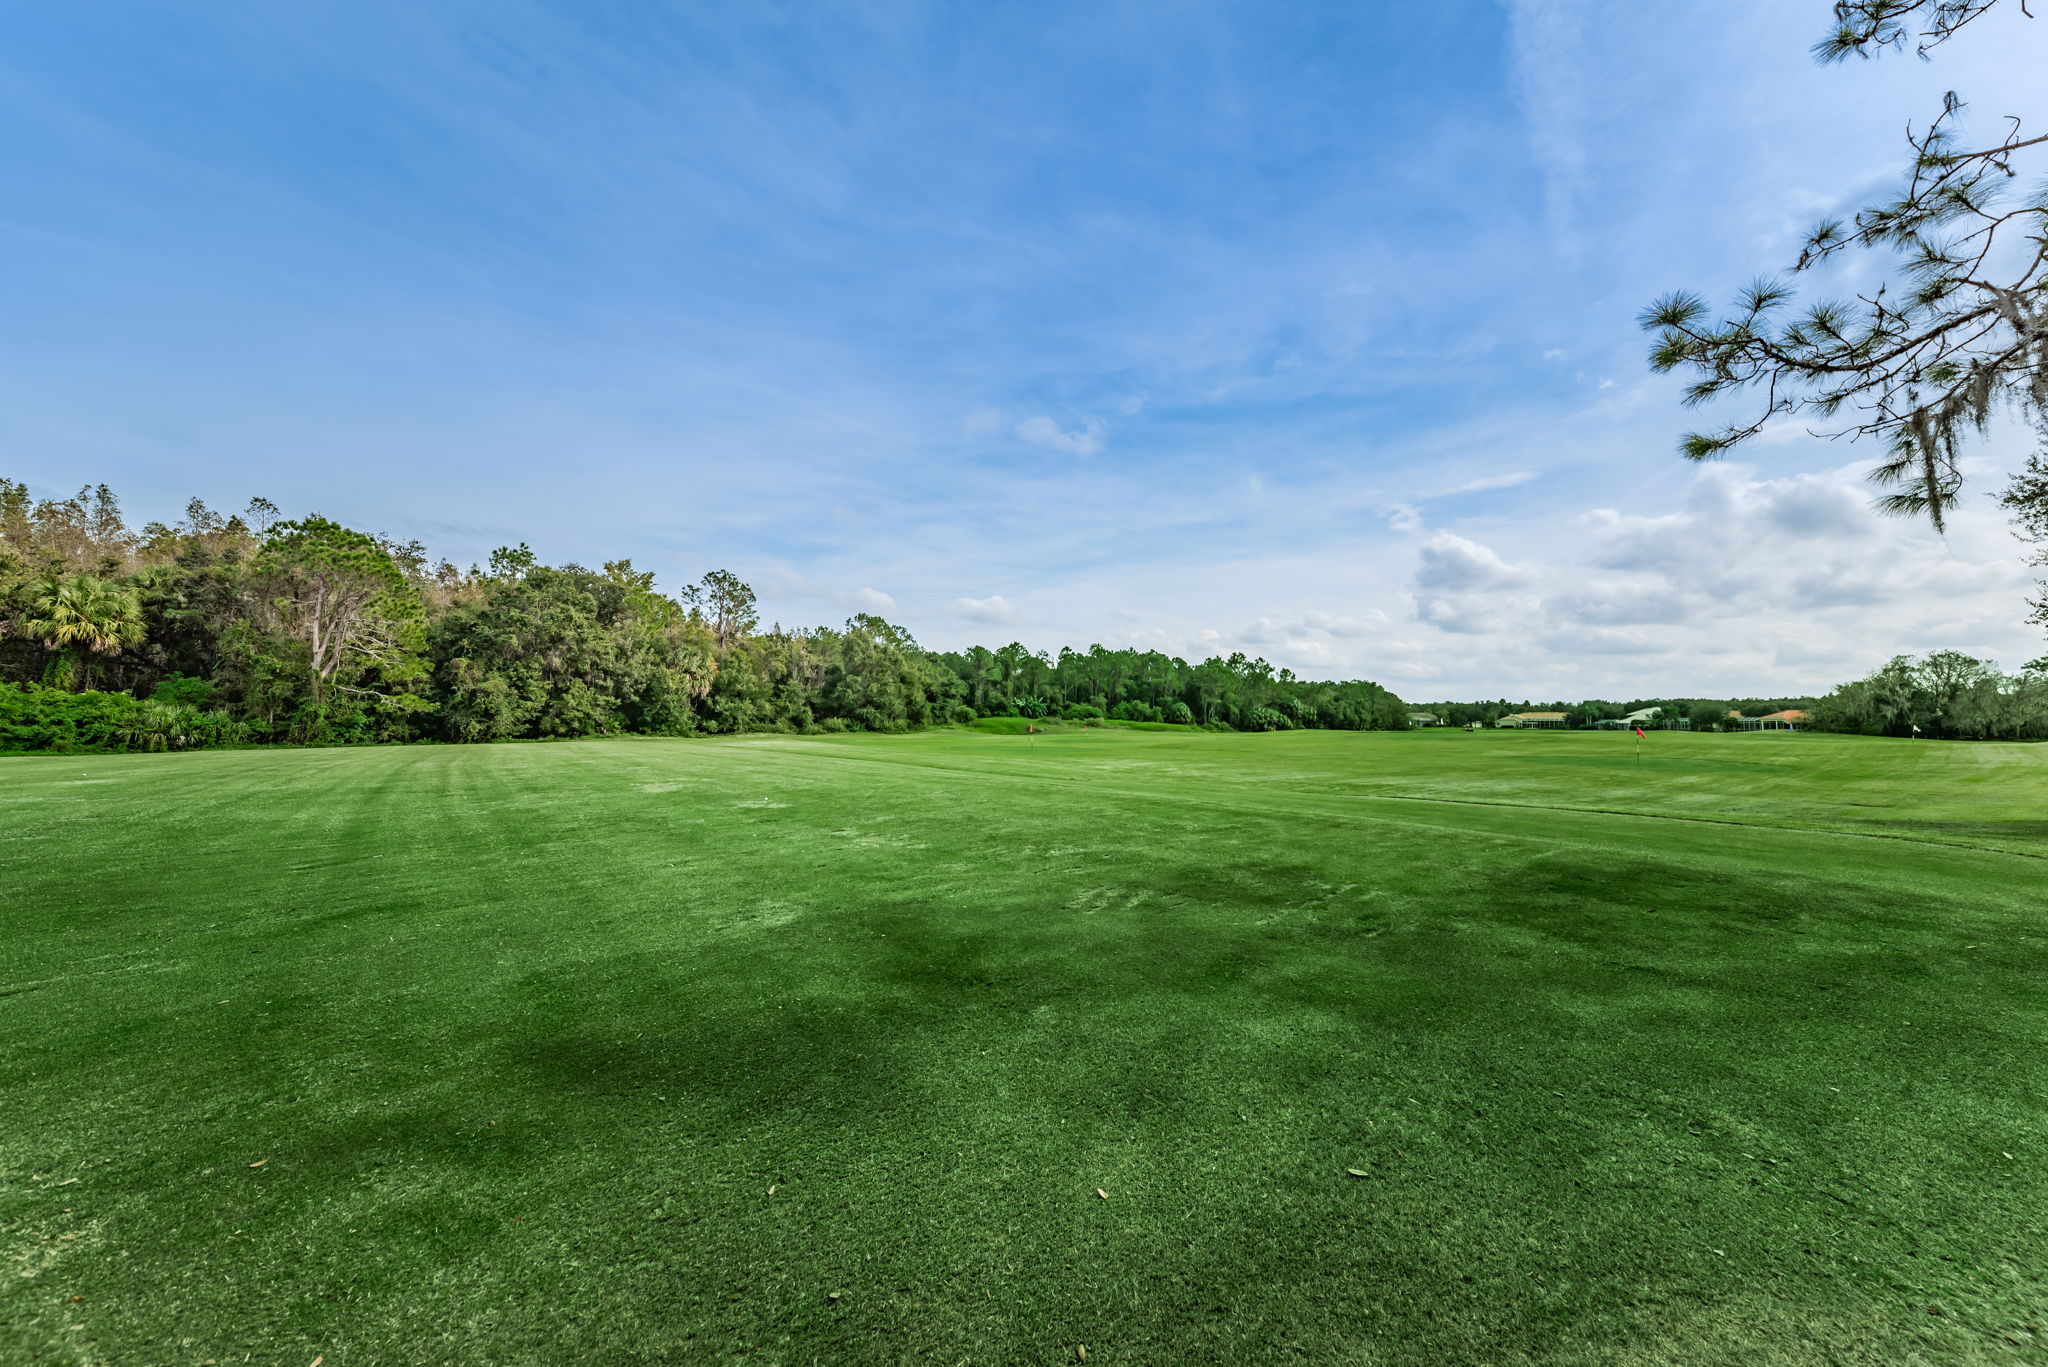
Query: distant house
{"points": [[1791, 719], [1644, 717], [1424, 719], [1527, 719]]}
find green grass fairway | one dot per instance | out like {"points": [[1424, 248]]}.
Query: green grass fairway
{"points": [[1411, 1049]]}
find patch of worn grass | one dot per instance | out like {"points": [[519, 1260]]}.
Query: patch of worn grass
{"points": [[820, 1050]]}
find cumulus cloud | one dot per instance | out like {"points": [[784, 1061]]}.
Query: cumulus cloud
{"points": [[866, 600], [1466, 588], [1263, 631], [1452, 563], [1646, 602], [1809, 506], [1083, 439], [992, 610], [1747, 578]]}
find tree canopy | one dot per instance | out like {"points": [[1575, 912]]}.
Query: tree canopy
{"points": [[1955, 328], [252, 628]]}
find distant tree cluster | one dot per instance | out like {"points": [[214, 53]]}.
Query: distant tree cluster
{"points": [[1147, 686], [1946, 693], [256, 629]]}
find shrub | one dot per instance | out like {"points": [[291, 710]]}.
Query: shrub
{"points": [[160, 725], [33, 717], [183, 688], [1081, 711], [1177, 712]]}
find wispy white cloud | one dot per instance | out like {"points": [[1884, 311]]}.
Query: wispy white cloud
{"points": [[1480, 483], [795, 308], [1082, 439], [1549, 77], [1403, 517]]}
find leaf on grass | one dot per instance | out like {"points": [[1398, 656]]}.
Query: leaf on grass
{"points": [[1103, 1194], [1355, 1172], [259, 1162]]}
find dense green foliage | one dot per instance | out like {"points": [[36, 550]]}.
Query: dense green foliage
{"points": [[817, 1049], [1947, 694], [35, 717], [308, 631], [1147, 686]]}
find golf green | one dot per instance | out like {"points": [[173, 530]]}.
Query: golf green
{"points": [[1148, 1047]]}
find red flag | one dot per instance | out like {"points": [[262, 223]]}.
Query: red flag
{"points": [[1640, 735]]}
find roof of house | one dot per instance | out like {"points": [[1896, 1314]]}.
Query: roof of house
{"points": [[1789, 714], [1539, 716]]}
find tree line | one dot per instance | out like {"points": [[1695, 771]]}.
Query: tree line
{"points": [[1944, 695], [253, 628]]}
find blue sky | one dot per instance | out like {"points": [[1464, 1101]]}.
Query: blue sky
{"points": [[1305, 330]]}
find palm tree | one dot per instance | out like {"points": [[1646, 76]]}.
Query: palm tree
{"points": [[83, 616]]}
